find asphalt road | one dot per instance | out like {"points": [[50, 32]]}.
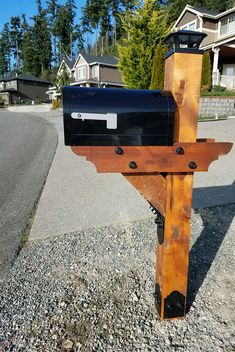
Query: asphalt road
{"points": [[27, 147]]}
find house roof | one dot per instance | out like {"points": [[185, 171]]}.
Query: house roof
{"points": [[203, 12], [108, 60], [24, 77], [70, 63], [103, 60]]}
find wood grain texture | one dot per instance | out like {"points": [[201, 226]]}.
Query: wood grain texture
{"points": [[172, 255], [155, 158], [183, 79], [152, 187]]}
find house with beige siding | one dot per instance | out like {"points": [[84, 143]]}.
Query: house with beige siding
{"points": [[67, 64], [93, 71], [220, 40]]}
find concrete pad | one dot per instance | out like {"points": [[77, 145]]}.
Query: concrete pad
{"points": [[75, 197]]}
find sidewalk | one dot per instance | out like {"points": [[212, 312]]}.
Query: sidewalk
{"points": [[75, 197]]}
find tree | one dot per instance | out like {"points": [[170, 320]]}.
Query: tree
{"points": [[206, 71], [6, 43], [157, 81], [62, 80], [3, 59], [67, 33], [103, 16], [52, 10], [144, 28], [42, 41], [29, 57], [16, 39]]}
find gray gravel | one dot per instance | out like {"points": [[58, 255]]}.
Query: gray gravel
{"points": [[93, 291]]}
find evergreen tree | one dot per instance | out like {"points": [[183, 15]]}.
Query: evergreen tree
{"points": [[42, 41], [16, 39], [6, 43], [62, 80], [105, 15], [52, 10], [67, 32], [157, 81], [206, 71], [144, 27], [28, 49], [3, 58]]}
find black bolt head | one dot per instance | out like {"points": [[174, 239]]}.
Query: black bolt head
{"points": [[192, 165], [132, 165], [180, 150], [119, 151]]}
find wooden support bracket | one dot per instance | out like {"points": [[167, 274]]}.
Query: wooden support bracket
{"points": [[182, 157]]}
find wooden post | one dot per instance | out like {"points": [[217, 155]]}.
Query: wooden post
{"points": [[182, 78]]}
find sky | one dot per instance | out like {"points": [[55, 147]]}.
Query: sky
{"points": [[11, 8]]}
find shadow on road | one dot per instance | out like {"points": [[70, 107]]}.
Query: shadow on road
{"points": [[216, 222], [212, 196]]}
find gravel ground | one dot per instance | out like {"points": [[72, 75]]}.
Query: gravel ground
{"points": [[93, 291]]}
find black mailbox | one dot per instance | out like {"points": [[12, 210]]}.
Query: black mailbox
{"points": [[105, 117]]}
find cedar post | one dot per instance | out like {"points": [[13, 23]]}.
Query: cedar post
{"points": [[183, 79]]}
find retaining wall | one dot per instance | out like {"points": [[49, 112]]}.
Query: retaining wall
{"points": [[217, 106], [30, 108]]}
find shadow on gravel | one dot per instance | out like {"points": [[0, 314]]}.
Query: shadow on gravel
{"points": [[216, 222]]}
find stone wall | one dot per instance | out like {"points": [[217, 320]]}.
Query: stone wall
{"points": [[217, 106]]}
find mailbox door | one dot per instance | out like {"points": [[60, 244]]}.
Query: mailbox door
{"points": [[95, 116]]}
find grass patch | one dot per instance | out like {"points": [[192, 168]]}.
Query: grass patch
{"points": [[211, 118], [219, 94], [25, 236]]}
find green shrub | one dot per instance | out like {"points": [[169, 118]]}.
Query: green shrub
{"points": [[38, 101], [56, 104], [158, 69], [2, 102], [206, 72], [218, 89]]}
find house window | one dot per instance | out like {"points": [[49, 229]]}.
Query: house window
{"points": [[191, 26], [95, 71], [229, 70], [81, 72], [227, 25]]}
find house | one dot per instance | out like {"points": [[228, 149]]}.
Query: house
{"points": [[90, 71], [93, 71], [17, 89], [68, 64], [220, 40]]}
